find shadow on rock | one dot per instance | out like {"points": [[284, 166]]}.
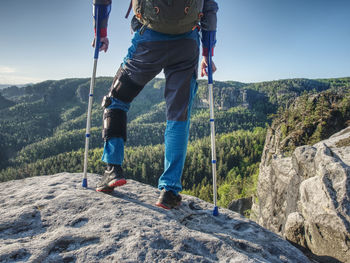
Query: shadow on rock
{"points": [[22, 225]]}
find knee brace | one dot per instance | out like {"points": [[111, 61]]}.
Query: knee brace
{"points": [[123, 87], [114, 124]]}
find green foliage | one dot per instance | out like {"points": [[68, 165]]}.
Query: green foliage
{"points": [[238, 156], [282, 92], [337, 83], [313, 117], [156, 114], [284, 130], [5, 103]]}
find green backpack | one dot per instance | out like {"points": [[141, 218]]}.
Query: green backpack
{"points": [[169, 16]]}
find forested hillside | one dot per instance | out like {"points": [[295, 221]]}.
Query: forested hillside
{"points": [[313, 117], [42, 129], [4, 103]]}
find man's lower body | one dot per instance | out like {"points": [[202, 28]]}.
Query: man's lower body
{"points": [[150, 53]]}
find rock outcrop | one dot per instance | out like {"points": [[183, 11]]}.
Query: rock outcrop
{"points": [[306, 197], [241, 205], [53, 219]]}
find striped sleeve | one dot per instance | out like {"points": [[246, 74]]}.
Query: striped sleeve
{"points": [[209, 19], [209, 25], [102, 2], [105, 5]]}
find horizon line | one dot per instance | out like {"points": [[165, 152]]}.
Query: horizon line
{"points": [[245, 82]]}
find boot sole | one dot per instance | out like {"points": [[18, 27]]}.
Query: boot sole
{"points": [[117, 183], [105, 190], [167, 207]]}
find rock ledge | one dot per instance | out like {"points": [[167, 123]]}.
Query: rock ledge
{"points": [[53, 219]]}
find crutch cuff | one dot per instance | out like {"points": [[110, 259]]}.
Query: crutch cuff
{"points": [[205, 52], [208, 42], [103, 32]]}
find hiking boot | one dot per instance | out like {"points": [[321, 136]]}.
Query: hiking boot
{"points": [[112, 177], [168, 200]]}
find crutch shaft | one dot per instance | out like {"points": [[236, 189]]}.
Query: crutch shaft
{"points": [[91, 94], [88, 121], [212, 137]]}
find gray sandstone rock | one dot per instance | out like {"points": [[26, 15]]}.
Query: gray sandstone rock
{"points": [[53, 219], [294, 229], [241, 205], [306, 197]]}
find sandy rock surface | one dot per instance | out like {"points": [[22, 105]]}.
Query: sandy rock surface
{"points": [[53, 219]]}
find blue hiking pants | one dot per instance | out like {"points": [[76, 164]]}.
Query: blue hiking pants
{"points": [[149, 54]]}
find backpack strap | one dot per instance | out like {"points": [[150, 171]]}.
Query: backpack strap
{"points": [[129, 10], [189, 3]]}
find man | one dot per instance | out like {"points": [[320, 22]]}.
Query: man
{"points": [[155, 47]]}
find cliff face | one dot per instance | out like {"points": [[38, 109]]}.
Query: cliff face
{"points": [[306, 197], [228, 97], [225, 98], [52, 219]]}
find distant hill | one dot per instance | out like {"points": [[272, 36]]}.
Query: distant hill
{"points": [[45, 111], [3, 86], [5, 103]]}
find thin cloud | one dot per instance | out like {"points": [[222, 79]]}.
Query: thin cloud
{"points": [[9, 75], [16, 80], [7, 70]]}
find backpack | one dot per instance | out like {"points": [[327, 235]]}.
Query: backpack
{"points": [[168, 16]]}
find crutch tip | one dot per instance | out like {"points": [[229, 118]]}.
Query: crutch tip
{"points": [[215, 211], [84, 183]]}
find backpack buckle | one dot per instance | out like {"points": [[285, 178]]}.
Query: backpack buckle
{"points": [[156, 9], [187, 8]]}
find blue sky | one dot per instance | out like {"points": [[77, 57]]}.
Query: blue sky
{"points": [[257, 40]]}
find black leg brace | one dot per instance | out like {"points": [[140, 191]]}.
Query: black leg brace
{"points": [[115, 120], [114, 124], [124, 88]]}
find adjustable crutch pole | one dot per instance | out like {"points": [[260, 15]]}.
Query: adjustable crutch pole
{"points": [[212, 124], [91, 93]]}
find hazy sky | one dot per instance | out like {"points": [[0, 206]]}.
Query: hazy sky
{"points": [[257, 40]]}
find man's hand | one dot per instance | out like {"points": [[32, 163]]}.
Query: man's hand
{"points": [[204, 66], [104, 43]]}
